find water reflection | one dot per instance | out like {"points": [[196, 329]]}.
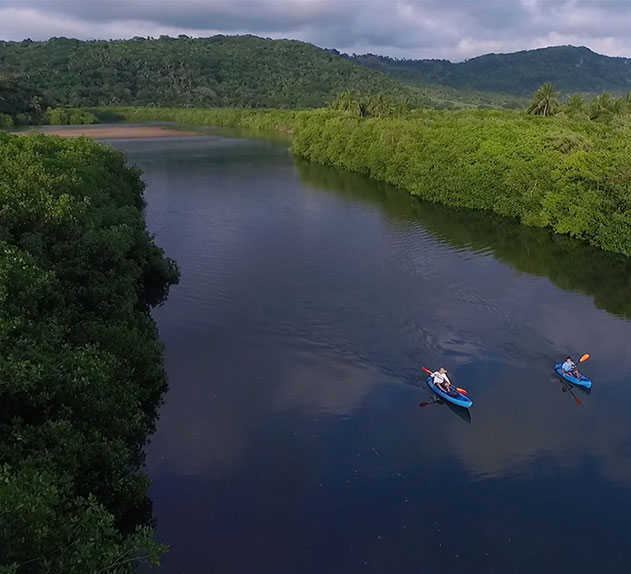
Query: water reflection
{"points": [[568, 263], [460, 412], [291, 438]]}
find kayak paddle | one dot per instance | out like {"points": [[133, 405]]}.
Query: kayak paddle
{"points": [[578, 401], [459, 389], [584, 358]]}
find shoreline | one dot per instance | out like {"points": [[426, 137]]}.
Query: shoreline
{"points": [[112, 132]]}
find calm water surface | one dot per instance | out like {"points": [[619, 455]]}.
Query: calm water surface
{"points": [[291, 439]]}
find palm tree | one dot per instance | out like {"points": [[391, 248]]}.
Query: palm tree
{"points": [[380, 105], [604, 106], [575, 105], [545, 102], [347, 102]]}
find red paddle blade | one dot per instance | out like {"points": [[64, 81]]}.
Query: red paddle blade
{"points": [[424, 404], [426, 370], [578, 401], [462, 391], [584, 358]]}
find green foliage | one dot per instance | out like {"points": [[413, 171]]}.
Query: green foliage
{"points": [[436, 79], [545, 101], [377, 105], [526, 249], [81, 368], [570, 176], [604, 107], [63, 117], [283, 121], [19, 104], [572, 69], [237, 71], [575, 106], [246, 71]]}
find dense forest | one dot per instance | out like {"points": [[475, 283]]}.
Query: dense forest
{"points": [[571, 69], [247, 71], [223, 71], [79, 273], [21, 105]]}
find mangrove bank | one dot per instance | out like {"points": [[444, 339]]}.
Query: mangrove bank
{"points": [[79, 273], [570, 175]]}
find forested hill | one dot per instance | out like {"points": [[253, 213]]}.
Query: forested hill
{"points": [[570, 69], [217, 71], [247, 71]]}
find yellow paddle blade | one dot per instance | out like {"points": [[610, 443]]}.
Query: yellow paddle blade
{"points": [[584, 358]]}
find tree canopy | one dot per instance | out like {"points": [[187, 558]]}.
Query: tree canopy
{"points": [[545, 101], [221, 71], [81, 365], [572, 69]]}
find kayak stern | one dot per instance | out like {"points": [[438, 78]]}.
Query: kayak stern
{"points": [[583, 381]]}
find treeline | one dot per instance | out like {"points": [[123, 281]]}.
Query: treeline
{"points": [[283, 121], [247, 71], [19, 104], [376, 105], [52, 116], [573, 69], [221, 71], [548, 102], [81, 365], [571, 176]]}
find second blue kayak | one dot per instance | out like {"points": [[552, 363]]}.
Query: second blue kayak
{"points": [[453, 396], [583, 381]]}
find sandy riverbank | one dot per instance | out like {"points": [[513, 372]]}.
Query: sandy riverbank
{"points": [[115, 132]]}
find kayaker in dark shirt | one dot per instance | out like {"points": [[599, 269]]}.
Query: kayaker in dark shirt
{"points": [[441, 380], [569, 368]]}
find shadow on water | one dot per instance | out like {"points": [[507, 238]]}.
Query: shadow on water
{"points": [[569, 388], [247, 133], [460, 412], [569, 263]]}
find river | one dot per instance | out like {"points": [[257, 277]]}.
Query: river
{"points": [[291, 439]]}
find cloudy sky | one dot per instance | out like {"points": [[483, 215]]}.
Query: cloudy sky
{"points": [[453, 29]]}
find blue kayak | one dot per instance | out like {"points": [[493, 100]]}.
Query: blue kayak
{"points": [[453, 396], [583, 381]]}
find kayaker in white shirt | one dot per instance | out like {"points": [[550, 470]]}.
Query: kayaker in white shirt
{"points": [[441, 380], [569, 368]]}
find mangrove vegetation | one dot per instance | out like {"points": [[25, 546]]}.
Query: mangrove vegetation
{"points": [[81, 368], [569, 175]]}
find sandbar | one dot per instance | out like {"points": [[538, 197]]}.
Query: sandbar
{"points": [[115, 132]]}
